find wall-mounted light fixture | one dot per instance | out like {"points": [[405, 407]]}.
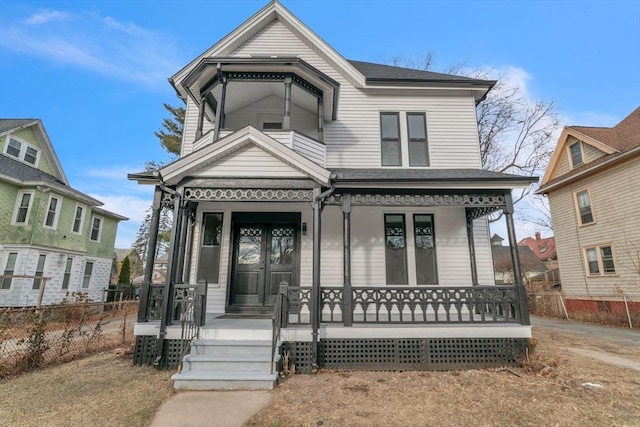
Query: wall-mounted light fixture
{"points": [[304, 228]]}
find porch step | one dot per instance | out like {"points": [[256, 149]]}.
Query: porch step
{"points": [[224, 380], [229, 362], [231, 347], [228, 365]]}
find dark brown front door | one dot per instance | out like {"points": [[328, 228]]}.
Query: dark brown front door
{"points": [[264, 255]]}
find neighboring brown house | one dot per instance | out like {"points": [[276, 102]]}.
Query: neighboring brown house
{"points": [[503, 268], [544, 248], [593, 185]]}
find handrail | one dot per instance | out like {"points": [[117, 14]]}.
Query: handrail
{"points": [[188, 308], [278, 318]]}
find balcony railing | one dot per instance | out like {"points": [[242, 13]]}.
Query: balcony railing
{"points": [[409, 305]]}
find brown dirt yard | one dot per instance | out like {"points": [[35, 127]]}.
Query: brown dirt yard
{"points": [[552, 395], [105, 390]]}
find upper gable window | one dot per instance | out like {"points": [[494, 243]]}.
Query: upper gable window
{"points": [[390, 135], [417, 132], [22, 151], [576, 154]]}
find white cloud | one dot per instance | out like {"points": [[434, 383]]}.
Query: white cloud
{"points": [[46, 15], [99, 44]]}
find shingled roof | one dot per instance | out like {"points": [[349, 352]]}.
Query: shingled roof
{"points": [[9, 124], [622, 137], [380, 72]]}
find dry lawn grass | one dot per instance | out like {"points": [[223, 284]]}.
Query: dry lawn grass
{"points": [[101, 390], [554, 396]]}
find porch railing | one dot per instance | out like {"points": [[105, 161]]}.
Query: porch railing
{"points": [[154, 308], [189, 308], [410, 305], [277, 319]]}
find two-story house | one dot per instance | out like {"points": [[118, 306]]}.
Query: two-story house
{"points": [[593, 186], [54, 240], [345, 197]]}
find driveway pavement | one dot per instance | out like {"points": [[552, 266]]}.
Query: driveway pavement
{"points": [[616, 335]]}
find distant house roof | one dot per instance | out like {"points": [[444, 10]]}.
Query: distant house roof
{"points": [[121, 254], [528, 260], [617, 142], [544, 248]]}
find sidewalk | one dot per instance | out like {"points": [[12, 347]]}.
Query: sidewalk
{"points": [[211, 408]]}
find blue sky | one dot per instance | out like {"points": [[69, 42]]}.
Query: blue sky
{"points": [[96, 72]]}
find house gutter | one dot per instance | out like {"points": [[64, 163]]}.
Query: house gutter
{"points": [[316, 299]]}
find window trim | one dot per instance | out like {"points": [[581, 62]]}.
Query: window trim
{"points": [[577, 207], [93, 217], [406, 247], [435, 246], [14, 218], [399, 139], [56, 215], [38, 274], [601, 270], [7, 272], [426, 138], [66, 275], [85, 276], [82, 217], [23, 150], [579, 143]]}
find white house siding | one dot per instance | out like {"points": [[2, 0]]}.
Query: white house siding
{"points": [[21, 292], [312, 150], [250, 161], [615, 204], [354, 139], [484, 258]]}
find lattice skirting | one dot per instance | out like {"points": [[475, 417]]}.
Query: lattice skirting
{"points": [[398, 354], [146, 351]]}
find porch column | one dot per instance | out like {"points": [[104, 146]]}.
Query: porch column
{"points": [[347, 296], [179, 271], [320, 119], [521, 291], [189, 251], [200, 118], [472, 252], [286, 123], [143, 308], [220, 108], [172, 259], [316, 303]]}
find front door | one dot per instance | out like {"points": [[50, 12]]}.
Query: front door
{"points": [[265, 254]]}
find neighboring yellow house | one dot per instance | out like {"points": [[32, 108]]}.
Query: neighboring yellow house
{"points": [[593, 185]]}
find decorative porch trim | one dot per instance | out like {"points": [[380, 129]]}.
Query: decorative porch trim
{"points": [[248, 194], [484, 200]]}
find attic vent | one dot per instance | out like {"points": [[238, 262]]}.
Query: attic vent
{"points": [[543, 250]]}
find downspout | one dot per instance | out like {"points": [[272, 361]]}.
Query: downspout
{"points": [[315, 290]]}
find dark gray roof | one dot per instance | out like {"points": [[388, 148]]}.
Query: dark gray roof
{"points": [[8, 124], [379, 72], [22, 172], [389, 174]]}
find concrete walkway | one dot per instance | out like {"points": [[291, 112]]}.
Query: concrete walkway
{"points": [[211, 408]]}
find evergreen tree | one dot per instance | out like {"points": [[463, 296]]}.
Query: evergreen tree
{"points": [[171, 133], [125, 271]]}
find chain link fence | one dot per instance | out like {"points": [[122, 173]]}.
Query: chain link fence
{"points": [[31, 338]]}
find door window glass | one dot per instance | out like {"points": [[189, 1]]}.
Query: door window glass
{"points": [[282, 245], [250, 245]]}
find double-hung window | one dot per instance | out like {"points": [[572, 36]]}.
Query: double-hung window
{"points": [[426, 269], [209, 258], [395, 249], [67, 273], [86, 277], [390, 135], [9, 268], [22, 151], [78, 220], [37, 281], [22, 208], [53, 211], [599, 260], [575, 150], [417, 136], [96, 229], [583, 203]]}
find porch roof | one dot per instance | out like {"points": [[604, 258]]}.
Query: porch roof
{"points": [[433, 178]]}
